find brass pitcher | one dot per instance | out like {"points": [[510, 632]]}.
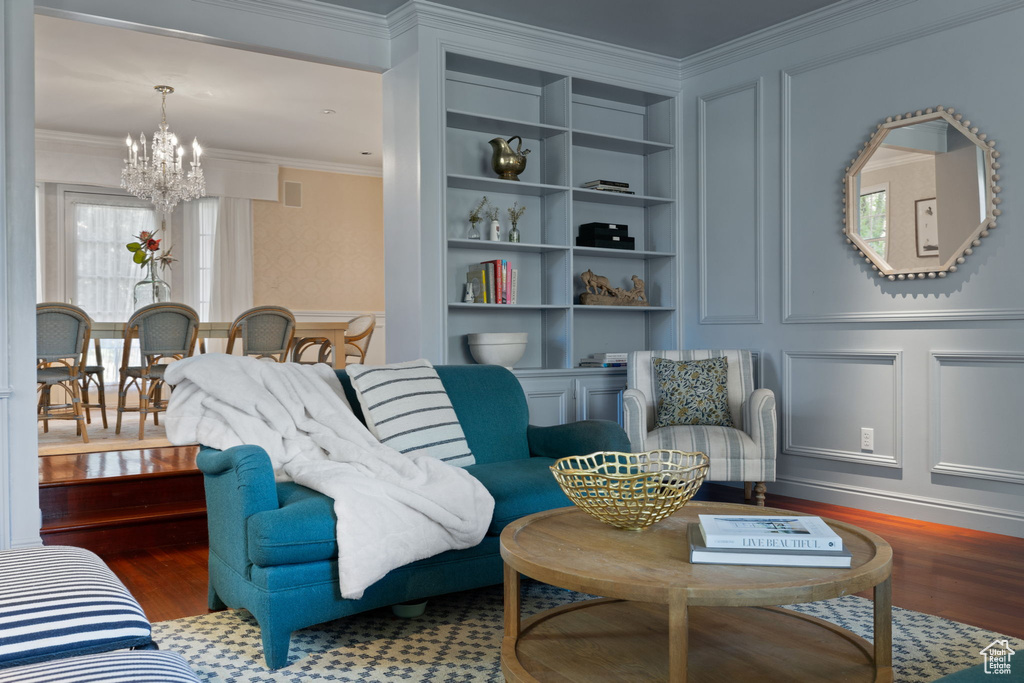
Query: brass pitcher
{"points": [[505, 161]]}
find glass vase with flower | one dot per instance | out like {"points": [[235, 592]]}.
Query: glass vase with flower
{"points": [[515, 212], [475, 216], [146, 252]]}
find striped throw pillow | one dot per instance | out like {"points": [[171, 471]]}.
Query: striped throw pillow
{"points": [[59, 601], [142, 666], [407, 408]]}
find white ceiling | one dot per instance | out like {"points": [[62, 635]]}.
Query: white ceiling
{"points": [[99, 80]]}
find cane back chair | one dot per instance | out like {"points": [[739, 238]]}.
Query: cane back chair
{"points": [[62, 342], [166, 332], [266, 332]]}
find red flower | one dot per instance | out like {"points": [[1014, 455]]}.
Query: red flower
{"points": [[152, 244], [144, 236]]}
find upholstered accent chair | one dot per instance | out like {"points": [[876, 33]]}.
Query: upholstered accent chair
{"points": [[745, 452], [357, 337], [62, 342], [266, 332], [166, 332]]}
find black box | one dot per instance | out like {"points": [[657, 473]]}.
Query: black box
{"points": [[603, 230], [606, 242]]}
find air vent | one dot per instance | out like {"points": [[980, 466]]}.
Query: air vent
{"points": [[293, 194]]}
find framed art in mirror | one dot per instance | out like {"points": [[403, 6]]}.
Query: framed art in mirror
{"points": [[921, 194]]}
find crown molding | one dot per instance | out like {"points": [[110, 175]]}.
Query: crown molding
{"points": [[598, 56], [105, 145], [318, 14], [795, 29]]}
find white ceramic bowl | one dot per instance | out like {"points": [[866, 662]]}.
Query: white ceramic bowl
{"points": [[497, 348]]}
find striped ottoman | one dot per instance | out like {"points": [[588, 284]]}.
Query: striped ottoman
{"points": [[139, 666], [59, 601]]}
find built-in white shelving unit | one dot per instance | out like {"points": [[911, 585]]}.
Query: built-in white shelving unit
{"points": [[577, 130]]}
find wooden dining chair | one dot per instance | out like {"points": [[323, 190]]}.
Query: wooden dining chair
{"points": [[324, 350], [166, 332], [62, 342], [92, 376], [357, 336], [266, 332]]}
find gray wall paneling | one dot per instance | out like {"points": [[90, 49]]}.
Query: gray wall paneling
{"points": [[19, 499], [940, 394]]}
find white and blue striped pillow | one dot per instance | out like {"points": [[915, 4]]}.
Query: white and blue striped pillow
{"points": [[60, 601], [143, 666], [407, 408]]}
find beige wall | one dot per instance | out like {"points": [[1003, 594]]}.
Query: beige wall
{"points": [[327, 255]]}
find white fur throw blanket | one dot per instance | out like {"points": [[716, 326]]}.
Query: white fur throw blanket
{"points": [[392, 509]]}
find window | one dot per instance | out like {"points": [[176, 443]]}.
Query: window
{"points": [[874, 218], [100, 274]]}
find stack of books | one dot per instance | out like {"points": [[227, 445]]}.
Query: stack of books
{"points": [[784, 541], [608, 186], [604, 360], [494, 282], [605, 236]]}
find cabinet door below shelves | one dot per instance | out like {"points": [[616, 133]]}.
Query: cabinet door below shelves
{"points": [[599, 397], [549, 400]]}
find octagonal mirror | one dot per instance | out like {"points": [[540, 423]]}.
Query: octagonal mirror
{"points": [[921, 194]]}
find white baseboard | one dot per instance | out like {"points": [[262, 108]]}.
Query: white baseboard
{"points": [[964, 515]]}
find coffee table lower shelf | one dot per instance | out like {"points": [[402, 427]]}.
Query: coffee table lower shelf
{"points": [[617, 640]]}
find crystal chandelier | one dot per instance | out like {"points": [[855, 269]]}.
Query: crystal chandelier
{"points": [[158, 174]]}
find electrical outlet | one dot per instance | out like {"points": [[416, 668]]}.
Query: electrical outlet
{"points": [[867, 439]]}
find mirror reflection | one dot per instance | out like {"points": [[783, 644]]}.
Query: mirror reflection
{"points": [[920, 194]]}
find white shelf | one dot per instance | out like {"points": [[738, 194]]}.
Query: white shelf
{"points": [[614, 143], [490, 245], [469, 182], [602, 252], [508, 307], [464, 120], [620, 198], [623, 309]]}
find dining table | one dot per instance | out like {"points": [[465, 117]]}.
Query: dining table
{"points": [[334, 331]]}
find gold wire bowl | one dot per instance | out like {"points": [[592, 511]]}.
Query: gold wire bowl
{"points": [[631, 490]]}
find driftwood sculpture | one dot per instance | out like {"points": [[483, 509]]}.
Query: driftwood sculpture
{"points": [[604, 294]]}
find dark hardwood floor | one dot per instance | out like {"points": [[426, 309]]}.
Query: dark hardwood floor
{"points": [[968, 576]]}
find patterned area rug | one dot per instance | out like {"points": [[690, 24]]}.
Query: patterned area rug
{"points": [[459, 639]]}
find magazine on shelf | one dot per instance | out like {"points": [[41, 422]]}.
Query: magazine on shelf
{"points": [[784, 532], [613, 183], [770, 557], [609, 356], [610, 188]]}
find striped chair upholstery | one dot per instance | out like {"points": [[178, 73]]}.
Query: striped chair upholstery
{"points": [[143, 666], [60, 601], [744, 453]]}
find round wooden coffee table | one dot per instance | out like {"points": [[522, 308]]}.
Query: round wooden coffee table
{"points": [[662, 618]]}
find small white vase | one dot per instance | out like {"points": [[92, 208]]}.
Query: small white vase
{"points": [[495, 234]]}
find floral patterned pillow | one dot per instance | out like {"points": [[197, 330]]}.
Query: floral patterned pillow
{"points": [[692, 392]]}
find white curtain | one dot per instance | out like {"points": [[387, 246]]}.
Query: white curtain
{"points": [[199, 228], [231, 285]]}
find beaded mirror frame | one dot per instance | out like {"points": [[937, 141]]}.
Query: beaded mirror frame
{"points": [[988, 179]]}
